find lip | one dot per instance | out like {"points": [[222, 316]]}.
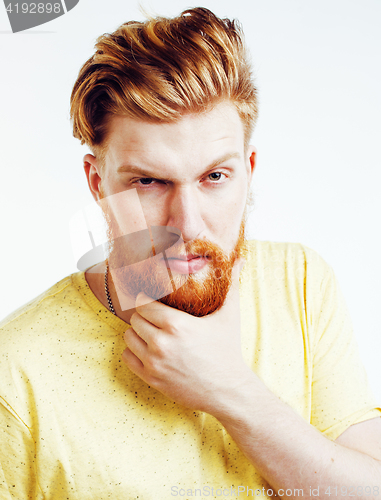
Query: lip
{"points": [[187, 264], [186, 257]]}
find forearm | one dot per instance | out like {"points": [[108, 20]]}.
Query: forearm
{"points": [[290, 453]]}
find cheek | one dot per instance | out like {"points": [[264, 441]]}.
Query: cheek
{"points": [[234, 204], [154, 209], [224, 220], [232, 213]]}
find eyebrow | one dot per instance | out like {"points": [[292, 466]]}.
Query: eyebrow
{"points": [[133, 169]]}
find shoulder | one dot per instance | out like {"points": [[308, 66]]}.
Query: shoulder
{"points": [[56, 297], [294, 279], [292, 258], [269, 249]]}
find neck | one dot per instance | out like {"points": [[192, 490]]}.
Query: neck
{"points": [[95, 279]]}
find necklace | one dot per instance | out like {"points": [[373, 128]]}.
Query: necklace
{"points": [[107, 291]]}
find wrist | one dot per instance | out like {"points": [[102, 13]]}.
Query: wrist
{"points": [[240, 398]]}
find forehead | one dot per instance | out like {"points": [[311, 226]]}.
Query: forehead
{"points": [[196, 138]]}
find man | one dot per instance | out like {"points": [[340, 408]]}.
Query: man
{"points": [[244, 380]]}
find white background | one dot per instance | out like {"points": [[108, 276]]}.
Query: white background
{"points": [[317, 180]]}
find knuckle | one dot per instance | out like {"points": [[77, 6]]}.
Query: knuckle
{"points": [[151, 366], [128, 334], [134, 319], [159, 346], [173, 326]]}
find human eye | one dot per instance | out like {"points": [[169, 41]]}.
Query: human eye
{"points": [[216, 177], [145, 181]]}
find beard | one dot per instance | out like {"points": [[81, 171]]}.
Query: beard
{"points": [[204, 292], [141, 262]]}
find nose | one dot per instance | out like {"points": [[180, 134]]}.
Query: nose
{"points": [[185, 212]]}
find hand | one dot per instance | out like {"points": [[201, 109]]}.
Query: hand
{"points": [[196, 362]]}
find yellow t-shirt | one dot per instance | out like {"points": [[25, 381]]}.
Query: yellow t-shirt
{"points": [[77, 424]]}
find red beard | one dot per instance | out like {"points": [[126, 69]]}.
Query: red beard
{"points": [[199, 293]]}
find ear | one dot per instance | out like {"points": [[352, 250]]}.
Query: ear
{"points": [[93, 174], [251, 155]]}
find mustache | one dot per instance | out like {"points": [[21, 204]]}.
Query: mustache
{"points": [[194, 249], [155, 240]]}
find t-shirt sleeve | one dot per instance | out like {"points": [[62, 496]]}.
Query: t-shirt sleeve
{"points": [[17, 452], [340, 393]]}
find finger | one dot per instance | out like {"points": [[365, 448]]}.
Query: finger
{"points": [[133, 362], [155, 312], [135, 344], [144, 328]]}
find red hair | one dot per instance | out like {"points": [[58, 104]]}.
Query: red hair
{"points": [[159, 69]]}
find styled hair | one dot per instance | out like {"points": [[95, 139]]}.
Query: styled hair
{"points": [[160, 69]]}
